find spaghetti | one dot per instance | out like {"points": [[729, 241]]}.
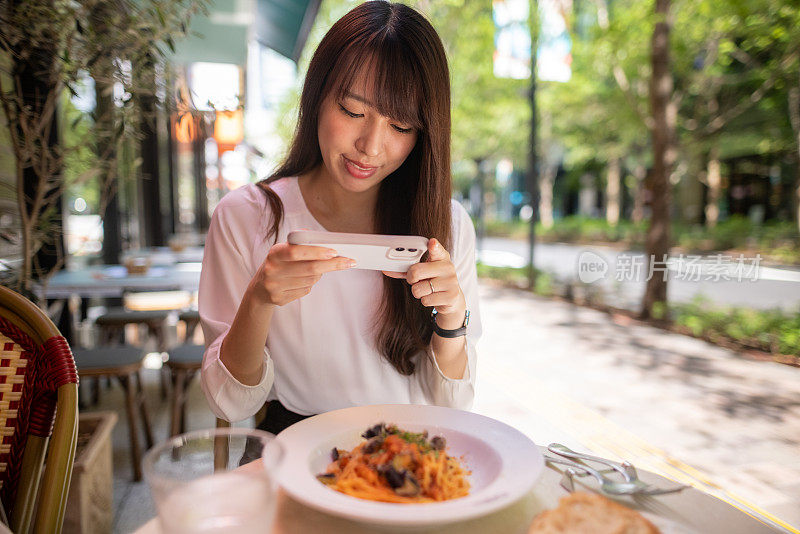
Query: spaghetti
{"points": [[396, 466]]}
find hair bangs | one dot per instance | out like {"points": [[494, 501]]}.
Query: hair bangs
{"points": [[393, 83]]}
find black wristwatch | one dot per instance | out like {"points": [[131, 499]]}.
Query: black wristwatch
{"points": [[441, 332]]}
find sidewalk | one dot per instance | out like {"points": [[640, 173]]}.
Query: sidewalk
{"points": [[562, 373], [669, 403]]}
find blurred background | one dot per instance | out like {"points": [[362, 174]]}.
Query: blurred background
{"points": [[146, 141], [637, 158]]}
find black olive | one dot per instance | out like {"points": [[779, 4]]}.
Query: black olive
{"points": [[394, 477], [373, 431], [438, 443], [334, 454], [410, 486], [373, 445]]}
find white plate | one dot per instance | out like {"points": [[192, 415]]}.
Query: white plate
{"points": [[505, 464]]}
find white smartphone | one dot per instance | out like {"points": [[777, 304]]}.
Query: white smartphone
{"points": [[370, 251]]}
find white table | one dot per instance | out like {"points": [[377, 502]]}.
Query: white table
{"points": [[166, 255], [690, 511], [112, 280]]}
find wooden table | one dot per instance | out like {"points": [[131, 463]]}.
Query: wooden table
{"points": [[690, 511]]}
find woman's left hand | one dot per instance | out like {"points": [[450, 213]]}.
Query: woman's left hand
{"points": [[435, 283]]}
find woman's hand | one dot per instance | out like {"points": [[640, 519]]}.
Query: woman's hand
{"points": [[435, 284], [290, 271]]}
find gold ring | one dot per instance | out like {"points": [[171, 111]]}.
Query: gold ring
{"points": [[430, 283]]}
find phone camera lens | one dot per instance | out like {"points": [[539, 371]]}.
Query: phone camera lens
{"points": [[412, 250], [399, 249]]}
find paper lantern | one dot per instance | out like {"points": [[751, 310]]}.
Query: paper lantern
{"points": [[186, 128], [229, 127]]}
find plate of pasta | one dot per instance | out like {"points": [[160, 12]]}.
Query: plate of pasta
{"points": [[400, 464]]}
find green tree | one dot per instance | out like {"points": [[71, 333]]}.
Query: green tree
{"points": [[490, 115], [600, 114], [731, 64]]}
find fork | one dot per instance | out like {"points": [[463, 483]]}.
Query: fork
{"points": [[631, 485], [626, 469], [607, 486]]}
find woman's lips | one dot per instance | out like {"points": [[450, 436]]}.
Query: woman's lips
{"points": [[358, 171]]}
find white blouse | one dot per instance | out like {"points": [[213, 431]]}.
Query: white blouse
{"points": [[320, 353]]}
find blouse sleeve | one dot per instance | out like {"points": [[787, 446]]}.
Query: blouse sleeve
{"points": [[440, 389], [224, 278]]}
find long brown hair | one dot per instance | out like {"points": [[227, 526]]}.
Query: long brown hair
{"points": [[411, 85]]}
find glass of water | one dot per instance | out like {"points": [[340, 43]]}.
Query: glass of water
{"points": [[214, 481]]}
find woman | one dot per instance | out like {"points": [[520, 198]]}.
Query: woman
{"points": [[295, 325]]}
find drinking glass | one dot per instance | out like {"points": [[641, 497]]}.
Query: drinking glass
{"points": [[213, 481]]}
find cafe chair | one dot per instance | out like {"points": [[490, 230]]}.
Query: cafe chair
{"points": [[184, 362], [123, 363], [191, 318], [111, 326], [38, 416]]}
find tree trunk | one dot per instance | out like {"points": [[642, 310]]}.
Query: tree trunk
{"points": [[480, 211], [663, 136], [714, 179], [794, 117], [152, 224], [106, 154], [612, 191], [797, 185], [41, 187], [546, 196], [640, 173], [199, 170], [106, 148]]}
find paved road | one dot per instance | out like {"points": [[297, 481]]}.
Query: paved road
{"points": [[772, 288], [689, 410]]}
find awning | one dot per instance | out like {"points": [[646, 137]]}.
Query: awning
{"points": [[284, 25], [222, 35], [218, 37]]}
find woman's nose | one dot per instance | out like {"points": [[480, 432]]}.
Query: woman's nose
{"points": [[370, 140]]}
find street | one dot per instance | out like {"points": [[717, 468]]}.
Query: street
{"points": [[773, 288]]}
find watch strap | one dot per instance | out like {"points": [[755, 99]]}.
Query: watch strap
{"points": [[456, 332]]}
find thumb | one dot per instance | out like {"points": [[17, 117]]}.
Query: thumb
{"points": [[436, 251]]}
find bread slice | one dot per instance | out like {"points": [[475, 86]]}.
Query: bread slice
{"points": [[589, 513]]}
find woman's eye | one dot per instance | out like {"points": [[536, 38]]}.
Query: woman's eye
{"points": [[402, 130], [350, 113]]}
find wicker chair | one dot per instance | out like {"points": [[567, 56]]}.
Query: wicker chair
{"points": [[38, 416]]}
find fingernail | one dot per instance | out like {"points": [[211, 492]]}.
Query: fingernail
{"points": [[330, 254]]}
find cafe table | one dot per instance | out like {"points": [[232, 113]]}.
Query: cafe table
{"points": [[113, 280], [689, 511], [167, 255]]}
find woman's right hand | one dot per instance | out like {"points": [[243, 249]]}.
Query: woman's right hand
{"points": [[290, 271]]}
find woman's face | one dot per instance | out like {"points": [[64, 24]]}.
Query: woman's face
{"points": [[360, 147]]}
